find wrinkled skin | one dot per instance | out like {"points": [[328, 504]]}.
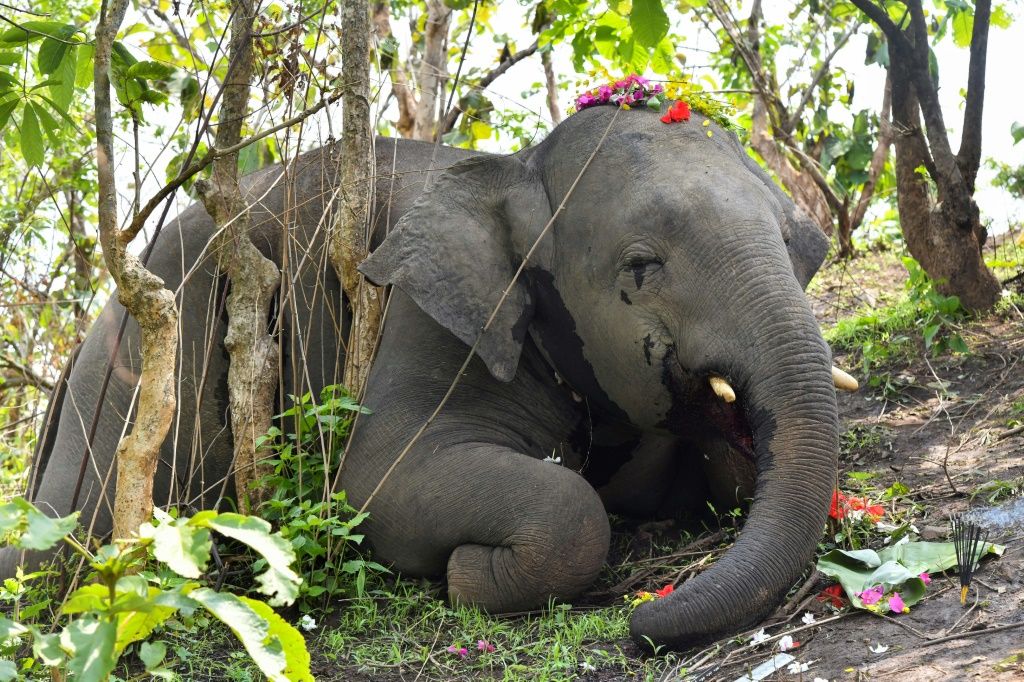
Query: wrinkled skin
{"points": [[674, 258]]}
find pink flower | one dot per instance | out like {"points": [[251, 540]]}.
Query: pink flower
{"points": [[484, 646], [871, 596], [926, 578], [604, 92], [460, 651], [896, 604]]}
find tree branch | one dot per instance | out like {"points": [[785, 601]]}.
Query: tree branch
{"points": [[882, 20], [453, 116], [432, 68], [823, 68], [407, 105], [969, 156]]}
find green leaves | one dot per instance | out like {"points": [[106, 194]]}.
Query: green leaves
{"points": [[1017, 131], [252, 630], [30, 31], [896, 568], [90, 645], [31, 137], [293, 644], [25, 526], [279, 581], [649, 22], [179, 543]]}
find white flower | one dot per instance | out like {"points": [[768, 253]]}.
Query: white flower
{"points": [[1006, 293], [820, 679], [808, 618], [553, 460], [787, 643], [587, 667], [885, 527], [307, 623], [914, 528], [879, 648], [759, 637], [798, 667]]}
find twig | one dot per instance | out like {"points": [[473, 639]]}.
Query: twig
{"points": [[973, 633]]}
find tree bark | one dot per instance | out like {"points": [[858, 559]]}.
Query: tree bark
{"points": [[349, 239], [407, 106], [432, 68], [253, 353], [552, 87], [145, 298]]}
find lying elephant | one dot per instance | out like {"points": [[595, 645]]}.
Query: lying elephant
{"points": [[671, 276]]}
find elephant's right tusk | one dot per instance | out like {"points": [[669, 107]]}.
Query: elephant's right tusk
{"points": [[843, 381], [722, 389]]}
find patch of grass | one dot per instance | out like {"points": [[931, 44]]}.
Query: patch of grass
{"points": [[997, 490], [862, 438]]}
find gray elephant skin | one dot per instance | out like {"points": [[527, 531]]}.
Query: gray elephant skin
{"points": [[674, 259]]}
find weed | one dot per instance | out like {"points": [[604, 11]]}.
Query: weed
{"points": [[997, 490]]}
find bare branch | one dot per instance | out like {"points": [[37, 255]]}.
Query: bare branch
{"points": [[453, 116]]}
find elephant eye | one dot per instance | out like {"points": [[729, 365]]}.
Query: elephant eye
{"points": [[642, 267]]}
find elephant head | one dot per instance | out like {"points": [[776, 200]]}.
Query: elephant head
{"points": [[670, 259]]}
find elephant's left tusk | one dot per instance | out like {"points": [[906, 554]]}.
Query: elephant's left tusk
{"points": [[843, 381], [722, 389]]}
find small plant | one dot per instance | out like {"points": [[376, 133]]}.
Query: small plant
{"points": [[140, 586], [318, 524]]}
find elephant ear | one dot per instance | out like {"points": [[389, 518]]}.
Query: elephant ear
{"points": [[458, 248]]}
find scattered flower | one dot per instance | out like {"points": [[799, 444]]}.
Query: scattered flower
{"points": [[1006, 293], [833, 594], [797, 667], [665, 591], [879, 648], [787, 643], [820, 679], [553, 459], [808, 618], [639, 598], [459, 651], [759, 637], [871, 596], [896, 604], [926, 578], [484, 646], [307, 623], [679, 111], [588, 667], [856, 508]]}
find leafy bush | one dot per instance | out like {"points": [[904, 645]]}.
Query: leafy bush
{"points": [[318, 523], [883, 334], [141, 585]]}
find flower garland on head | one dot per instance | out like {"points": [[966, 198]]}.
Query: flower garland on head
{"points": [[636, 91], [631, 91]]}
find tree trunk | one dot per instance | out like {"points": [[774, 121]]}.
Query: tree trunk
{"points": [[145, 298], [349, 239], [253, 369], [432, 68], [950, 254], [552, 87], [407, 106]]}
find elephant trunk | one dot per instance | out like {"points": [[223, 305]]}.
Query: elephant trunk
{"points": [[790, 406]]}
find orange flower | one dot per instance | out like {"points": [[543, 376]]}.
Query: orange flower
{"points": [[665, 591], [679, 111]]}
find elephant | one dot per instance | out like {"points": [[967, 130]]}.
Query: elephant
{"points": [[623, 305]]}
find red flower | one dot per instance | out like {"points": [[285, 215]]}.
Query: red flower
{"points": [[833, 595], [679, 111], [665, 591], [838, 509], [843, 505]]}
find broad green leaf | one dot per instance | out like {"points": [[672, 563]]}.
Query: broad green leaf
{"points": [[252, 630], [92, 644], [51, 52], [480, 130], [1017, 131], [292, 642], [7, 81], [1000, 18], [10, 58], [963, 26], [279, 581], [150, 71], [185, 548], [94, 597], [48, 122], [29, 31], [32, 150], [9, 671], [152, 654], [63, 90], [41, 531], [649, 22], [10, 628], [83, 69], [133, 626], [46, 648]]}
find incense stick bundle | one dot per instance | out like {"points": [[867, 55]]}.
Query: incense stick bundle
{"points": [[969, 543]]}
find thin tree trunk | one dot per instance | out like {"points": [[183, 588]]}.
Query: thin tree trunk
{"points": [[253, 369], [432, 68], [552, 87], [349, 239], [407, 106], [145, 298]]}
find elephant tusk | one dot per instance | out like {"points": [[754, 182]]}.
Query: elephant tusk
{"points": [[722, 389], [843, 381]]}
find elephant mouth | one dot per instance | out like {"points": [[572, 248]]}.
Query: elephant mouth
{"points": [[698, 408]]}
